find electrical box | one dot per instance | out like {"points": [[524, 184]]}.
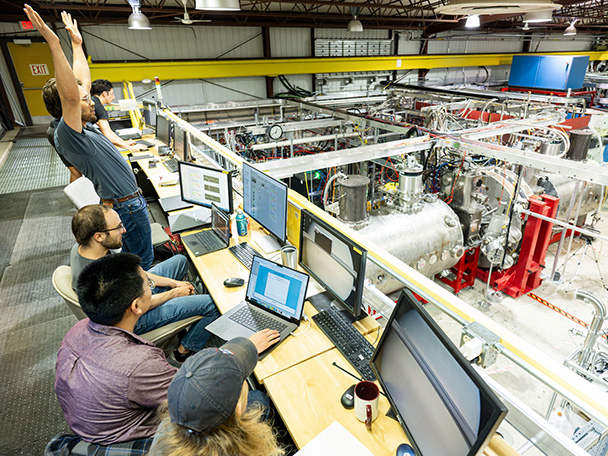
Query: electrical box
{"points": [[548, 72]]}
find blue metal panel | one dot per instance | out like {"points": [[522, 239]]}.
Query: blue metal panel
{"points": [[548, 72]]}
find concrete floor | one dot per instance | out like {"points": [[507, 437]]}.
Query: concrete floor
{"points": [[554, 334]]}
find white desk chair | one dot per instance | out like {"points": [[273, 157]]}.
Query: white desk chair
{"points": [[62, 282]]}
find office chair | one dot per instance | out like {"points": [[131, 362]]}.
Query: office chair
{"points": [[62, 282]]}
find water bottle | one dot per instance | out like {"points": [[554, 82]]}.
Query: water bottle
{"points": [[241, 223]]}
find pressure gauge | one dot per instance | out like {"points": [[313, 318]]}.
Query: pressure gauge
{"points": [[274, 132]]}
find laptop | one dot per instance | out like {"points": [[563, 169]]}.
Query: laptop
{"points": [[211, 240], [275, 299], [174, 203]]}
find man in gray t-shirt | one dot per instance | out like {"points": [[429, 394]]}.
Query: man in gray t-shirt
{"points": [[86, 148]]}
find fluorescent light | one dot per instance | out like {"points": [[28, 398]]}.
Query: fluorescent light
{"points": [[538, 16], [472, 21], [218, 5], [355, 25]]}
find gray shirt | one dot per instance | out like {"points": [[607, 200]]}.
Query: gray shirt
{"points": [[96, 157], [77, 263]]}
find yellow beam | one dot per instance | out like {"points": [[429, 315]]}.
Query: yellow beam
{"points": [[134, 71]]}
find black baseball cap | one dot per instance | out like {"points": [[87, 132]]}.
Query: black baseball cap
{"points": [[205, 391]]}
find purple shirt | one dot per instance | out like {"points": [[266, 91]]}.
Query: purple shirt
{"points": [[109, 383]]}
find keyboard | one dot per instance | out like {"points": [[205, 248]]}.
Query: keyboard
{"points": [[209, 240], [171, 165], [244, 253], [256, 321], [143, 142], [353, 346]]}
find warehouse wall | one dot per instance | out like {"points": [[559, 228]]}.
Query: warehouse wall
{"points": [[117, 43]]}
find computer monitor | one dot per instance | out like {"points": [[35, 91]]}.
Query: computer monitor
{"points": [[149, 113], [443, 405], [203, 186], [180, 143], [265, 200], [163, 130], [336, 262]]}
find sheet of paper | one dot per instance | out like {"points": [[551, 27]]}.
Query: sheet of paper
{"points": [[333, 440]]}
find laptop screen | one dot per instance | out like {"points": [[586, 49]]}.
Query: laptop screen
{"points": [[277, 288], [220, 223]]}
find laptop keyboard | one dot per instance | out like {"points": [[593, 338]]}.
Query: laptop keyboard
{"points": [[143, 142], [209, 240], [171, 165], [256, 321], [244, 253]]}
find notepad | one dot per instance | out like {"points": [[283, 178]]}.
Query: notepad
{"points": [[333, 440]]}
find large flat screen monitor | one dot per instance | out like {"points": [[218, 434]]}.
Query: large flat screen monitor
{"points": [[203, 186], [335, 261], [163, 130], [443, 405], [180, 143], [265, 200]]}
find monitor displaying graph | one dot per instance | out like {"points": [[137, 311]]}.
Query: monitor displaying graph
{"points": [[203, 186]]}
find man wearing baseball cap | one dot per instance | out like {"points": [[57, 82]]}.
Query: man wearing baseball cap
{"points": [[207, 409]]}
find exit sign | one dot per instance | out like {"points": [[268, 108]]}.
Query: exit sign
{"points": [[26, 25], [40, 69]]}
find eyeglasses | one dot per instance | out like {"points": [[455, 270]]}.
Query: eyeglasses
{"points": [[119, 227], [87, 99]]}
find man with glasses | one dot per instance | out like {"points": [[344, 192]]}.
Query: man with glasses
{"points": [[102, 93], [86, 148], [109, 381], [98, 229]]}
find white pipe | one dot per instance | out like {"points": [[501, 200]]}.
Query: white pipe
{"points": [[326, 189]]}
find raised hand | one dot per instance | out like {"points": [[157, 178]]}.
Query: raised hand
{"points": [[40, 25], [72, 27]]}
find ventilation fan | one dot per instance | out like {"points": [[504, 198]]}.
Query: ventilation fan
{"points": [[483, 7], [186, 19]]}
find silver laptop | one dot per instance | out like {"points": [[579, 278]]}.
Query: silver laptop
{"points": [[214, 239], [275, 299]]}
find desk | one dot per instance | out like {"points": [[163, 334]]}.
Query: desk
{"points": [[215, 267]]}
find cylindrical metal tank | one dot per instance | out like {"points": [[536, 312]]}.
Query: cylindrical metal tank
{"points": [[563, 188], [429, 240], [579, 145], [353, 198]]}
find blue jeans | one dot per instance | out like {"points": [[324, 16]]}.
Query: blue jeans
{"points": [[257, 398], [138, 237], [177, 309]]}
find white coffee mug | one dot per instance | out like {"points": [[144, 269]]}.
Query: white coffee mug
{"points": [[367, 395]]}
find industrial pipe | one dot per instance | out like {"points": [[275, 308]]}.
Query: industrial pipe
{"points": [[595, 326]]}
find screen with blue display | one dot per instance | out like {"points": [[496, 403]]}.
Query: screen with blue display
{"points": [[277, 287]]}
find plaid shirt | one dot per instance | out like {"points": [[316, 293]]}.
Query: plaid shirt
{"points": [[67, 444]]}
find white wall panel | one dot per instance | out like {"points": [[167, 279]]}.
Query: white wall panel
{"points": [[172, 42], [191, 92], [561, 44], [462, 45], [343, 34], [290, 42], [409, 43]]}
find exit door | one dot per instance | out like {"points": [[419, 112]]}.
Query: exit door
{"points": [[34, 65]]}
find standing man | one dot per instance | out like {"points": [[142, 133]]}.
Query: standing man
{"points": [[102, 93], [89, 150]]}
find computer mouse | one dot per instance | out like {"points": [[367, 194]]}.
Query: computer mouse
{"points": [[348, 398], [232, 282], [405, 450]]}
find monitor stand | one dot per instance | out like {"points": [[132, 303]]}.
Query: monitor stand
{"points": [[268, 244], [326, 300]]}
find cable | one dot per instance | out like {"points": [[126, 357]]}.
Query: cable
{"points": [[307, 328]]}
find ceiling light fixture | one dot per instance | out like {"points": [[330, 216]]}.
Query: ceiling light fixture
{"points": [[137, 19], [571, 30], [355, 25], [538, 16], [472, 21], [218, 5]]}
